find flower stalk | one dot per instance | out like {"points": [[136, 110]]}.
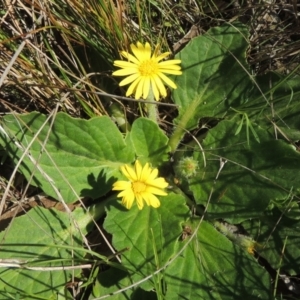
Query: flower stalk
{"points": [[151, 107]]}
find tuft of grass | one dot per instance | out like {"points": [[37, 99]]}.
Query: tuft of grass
{"points": [[66, 48]]}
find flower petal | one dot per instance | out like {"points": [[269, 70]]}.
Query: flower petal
{"points": [[130, 57], [129, 79], [154, 88], [146, 51], [167, 80], [141, 52], [145, 197], [124, 64], [139, 201], [129, 172], [139, 89], [138, 170], [146, 172], [128, 199], [125, 193], [121, 185], [153, 174], [132, 87], [159, 182], [155, 191], [125, 72], [170, 62], [152, 200], [161, 56], [172, 72], [160, 86]]}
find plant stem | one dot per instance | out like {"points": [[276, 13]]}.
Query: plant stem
{"points": [[151, 107], [175, 138]]}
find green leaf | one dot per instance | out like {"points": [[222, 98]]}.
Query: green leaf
{"points": [[251, 177], [29, 239], [278, 103], [109, 282], [252, 130], [238, 130], [150, 235], [279, 238], [211, 267], [206, 61], [112, 280], [150, 143], [216, 78], [79, 154]]}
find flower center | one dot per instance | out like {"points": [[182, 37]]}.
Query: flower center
{"points": [[138, 187], [148, 67]]}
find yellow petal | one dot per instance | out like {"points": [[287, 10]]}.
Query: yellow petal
{"points": [[155, 90], [125, 72], [129, 79], [124, 64], [130, 57], [172, 72], [169, 71], [132, 87], [167, 80], [146, 52], [170, 62], [145, 172], [153, 200], [136, 50], [139, 89], [159, 182], [141, 52], [153, 174], [127, 200], [161, 56], [169, 68], [121, 185], [155, 191], [160, 86], [138, 169], [124, 193], [139, 201], [145, 197], [129, 172]]}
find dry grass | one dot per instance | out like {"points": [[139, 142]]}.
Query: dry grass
{"points": [[64, 49]]}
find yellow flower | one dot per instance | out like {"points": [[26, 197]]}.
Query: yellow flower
{"points": [[142, 185], [145, 72]]}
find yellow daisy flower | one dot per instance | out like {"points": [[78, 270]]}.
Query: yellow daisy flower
{"points": [[144, 71], [142, 186]]}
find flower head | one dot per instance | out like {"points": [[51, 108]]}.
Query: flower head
{"points": [[145, 72], [142, 185], [187, 167]]}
